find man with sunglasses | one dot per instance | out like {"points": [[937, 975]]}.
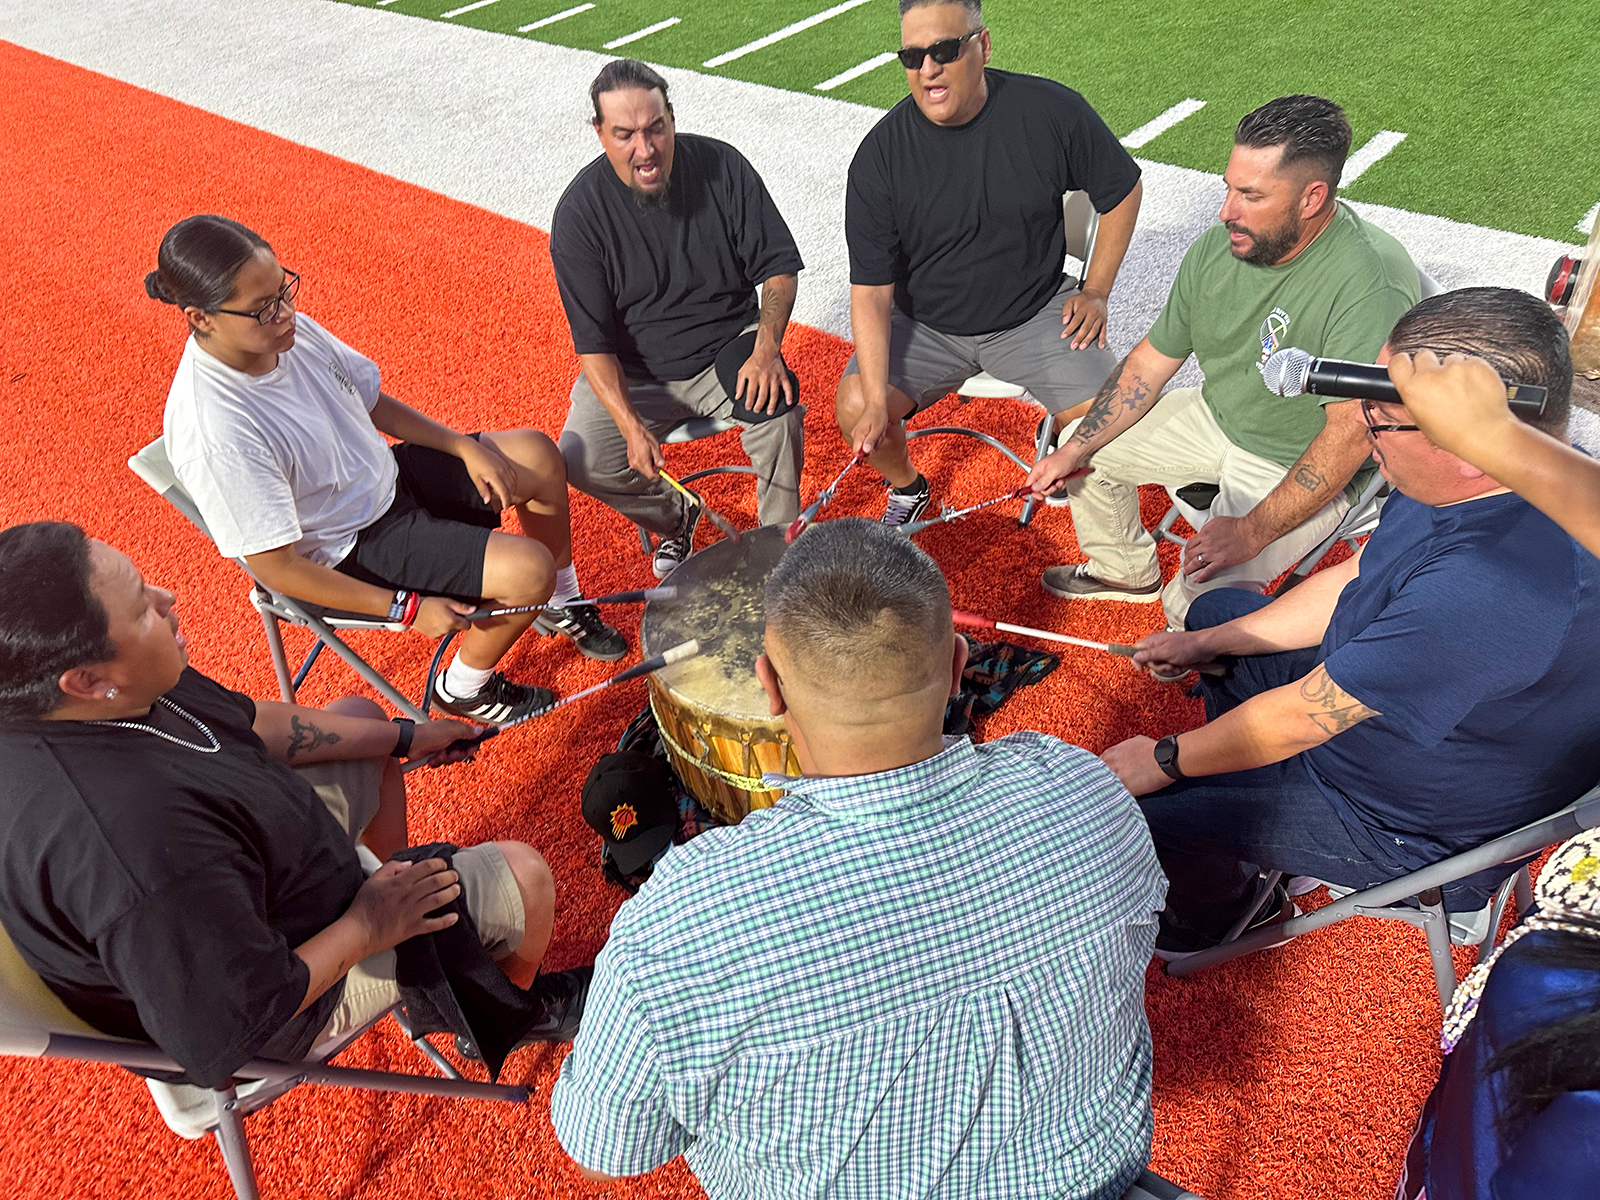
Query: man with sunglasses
{"points": [[953, 217], [1431, 693]]}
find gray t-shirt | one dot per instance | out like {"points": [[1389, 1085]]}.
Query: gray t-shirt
{"points": [[289, 458]]}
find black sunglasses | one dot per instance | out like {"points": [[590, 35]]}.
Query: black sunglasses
{"points": [[268, 312], [946, 51], [1367, 409]]}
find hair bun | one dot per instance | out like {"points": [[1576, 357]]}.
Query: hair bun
{"points": [[153, 288]]}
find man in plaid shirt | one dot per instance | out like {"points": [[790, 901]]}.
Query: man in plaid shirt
{"points": [[920, 973]]}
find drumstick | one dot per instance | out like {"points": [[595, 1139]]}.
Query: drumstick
{"points": [[655, 662], [1121, 649], [957, 514], [824, 498], [717, 519], [641, 596]]}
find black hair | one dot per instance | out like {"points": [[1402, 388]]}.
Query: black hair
{"points": [[1557, 1058], [50, 619], [1515, 332], [199, 261], [974, 8], [624, 73], [1309, 128]]}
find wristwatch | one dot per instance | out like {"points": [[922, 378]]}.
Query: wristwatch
{"points": [[1167, 757], [402, 741]]}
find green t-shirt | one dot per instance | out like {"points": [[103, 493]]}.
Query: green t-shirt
{"points": [[1337, 298]]}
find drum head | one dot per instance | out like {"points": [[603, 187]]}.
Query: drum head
{"points": [[720, 602]]}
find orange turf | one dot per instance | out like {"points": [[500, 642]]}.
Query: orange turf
{"points": [[1293, 1074]]}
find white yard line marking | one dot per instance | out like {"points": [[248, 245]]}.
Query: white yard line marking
{"points": [[386, 3], [1357, 164], [553, 18], [466, 8], [787, 31], [1589, 218], [642, 33], [856, 72], [1151, 130]]}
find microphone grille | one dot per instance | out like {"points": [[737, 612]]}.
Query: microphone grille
{"points": [[1285, 372]]}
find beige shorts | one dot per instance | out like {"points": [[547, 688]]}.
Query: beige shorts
{"points": [[488, 888]]}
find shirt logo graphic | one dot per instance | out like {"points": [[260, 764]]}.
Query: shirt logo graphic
{"points": [[623, 818], [1273, 332], [343, 379]]}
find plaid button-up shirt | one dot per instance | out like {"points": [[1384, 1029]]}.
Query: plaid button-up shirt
{"points": [[924, 982]]}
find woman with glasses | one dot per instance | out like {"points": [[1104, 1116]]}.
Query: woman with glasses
{"points": [[275, 429]]}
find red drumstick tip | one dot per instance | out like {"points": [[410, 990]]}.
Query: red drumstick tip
{"points": [[966, 618], [796, 528]]}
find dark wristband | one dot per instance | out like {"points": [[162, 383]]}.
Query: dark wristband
{"points": [[402, 744], [1166, 755]]}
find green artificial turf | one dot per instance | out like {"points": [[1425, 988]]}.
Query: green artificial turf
{"points": [[1500, 100]]}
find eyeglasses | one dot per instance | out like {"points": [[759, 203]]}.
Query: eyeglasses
{"points": [[268, 312], [1367, 407], [946, 51]]}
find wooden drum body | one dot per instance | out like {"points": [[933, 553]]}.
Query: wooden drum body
{"points": [[712, 712]]}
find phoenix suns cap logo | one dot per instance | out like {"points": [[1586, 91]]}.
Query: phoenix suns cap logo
{"points": [[623, 818]]}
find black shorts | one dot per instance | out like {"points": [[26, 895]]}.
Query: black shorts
{"points": [[433, 537]]}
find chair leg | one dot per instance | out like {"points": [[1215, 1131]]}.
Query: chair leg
{"points": [[310, 661], [235, 1148], [644, 540], [1437, 929], [1497, 910], [280, 660], [1524, 890], [1263, 893]]}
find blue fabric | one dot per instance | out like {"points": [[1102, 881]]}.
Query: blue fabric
{"points": [[1474, 630], [1460, 1150], [925, 982]]}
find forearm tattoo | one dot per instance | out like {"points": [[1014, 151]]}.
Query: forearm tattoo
{"points": [[1114, 400], [1336, 711], [305, 736], [1311, 479]]}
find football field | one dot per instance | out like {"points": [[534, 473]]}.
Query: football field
{"points": [[1497, 102]]}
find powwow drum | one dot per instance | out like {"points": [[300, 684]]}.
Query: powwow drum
{"points": [[712, 713], [1582, 315]]}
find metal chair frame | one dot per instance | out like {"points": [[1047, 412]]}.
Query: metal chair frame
{"points": [[1082, 225], [152, 465], [1416, 898]]}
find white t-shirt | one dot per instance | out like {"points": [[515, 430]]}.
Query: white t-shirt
{"points": [[286, 458]]}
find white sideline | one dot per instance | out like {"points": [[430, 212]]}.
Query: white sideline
{"points": [[777, 35], [500, 122]]}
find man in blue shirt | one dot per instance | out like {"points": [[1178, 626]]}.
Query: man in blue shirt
{"points": [[919, 974], [1433, 692]]}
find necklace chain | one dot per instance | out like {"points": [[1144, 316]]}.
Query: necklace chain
{"points": [[177, 741]]}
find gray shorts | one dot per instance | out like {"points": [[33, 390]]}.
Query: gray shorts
{"points": [[926, 364]]}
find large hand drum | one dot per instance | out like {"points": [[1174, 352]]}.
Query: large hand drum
{"points": [[712, 713]]}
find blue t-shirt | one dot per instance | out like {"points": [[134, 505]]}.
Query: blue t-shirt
{"points": [[1474, 630]]}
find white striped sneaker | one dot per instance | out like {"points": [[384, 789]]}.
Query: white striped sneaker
{"points": [[496, 702]]}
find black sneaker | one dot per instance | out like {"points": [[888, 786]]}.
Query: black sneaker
{"points": [[563, 995], [1173, 944], [496, 703], [907, 506], [673, 550], [592, 636]]}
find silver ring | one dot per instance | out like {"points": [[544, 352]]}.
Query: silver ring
{"points": [[1201, 559]]}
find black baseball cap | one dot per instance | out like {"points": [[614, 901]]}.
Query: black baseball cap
{"points": [[628, 801]]}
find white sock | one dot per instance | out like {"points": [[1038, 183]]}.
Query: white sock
{"points": [[566, 586], [462, 681]]}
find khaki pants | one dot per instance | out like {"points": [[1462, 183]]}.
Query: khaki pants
{"points": [[596, 453], [1176, 443]]}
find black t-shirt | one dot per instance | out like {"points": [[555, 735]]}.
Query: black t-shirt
{"points": [[160, 892], [966, 221], [664, 288]]}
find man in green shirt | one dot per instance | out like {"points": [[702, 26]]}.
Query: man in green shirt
{"points": [[1288, 264]]}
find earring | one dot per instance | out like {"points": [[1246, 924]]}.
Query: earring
{"points": [[111, 693]]}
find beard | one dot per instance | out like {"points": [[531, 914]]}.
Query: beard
{"points": [[655, 199], [1267, 248]]}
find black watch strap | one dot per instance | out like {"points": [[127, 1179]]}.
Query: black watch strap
{"points": [[402, 744], [1167, 757]]}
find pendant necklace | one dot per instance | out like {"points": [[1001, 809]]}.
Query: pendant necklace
{"points": [[177, 741]]}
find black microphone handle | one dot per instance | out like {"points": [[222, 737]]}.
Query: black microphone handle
{"points": [[1367, 381]]}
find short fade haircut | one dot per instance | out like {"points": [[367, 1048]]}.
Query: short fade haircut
{"points": [[1309, 128], [1514, 332], [622, 74], [974, 8], [852, 597], [50, 619]]}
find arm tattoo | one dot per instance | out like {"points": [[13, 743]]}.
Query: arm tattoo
{"points": [[1310, 478], [1110, 403], [775, 310], [1338, 710], [305, 736]]}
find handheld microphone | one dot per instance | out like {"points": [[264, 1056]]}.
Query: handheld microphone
{"points": [[1293, 372]]}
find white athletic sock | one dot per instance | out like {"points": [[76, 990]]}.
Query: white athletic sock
{"points": [[462, 681], [566, 586]]}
